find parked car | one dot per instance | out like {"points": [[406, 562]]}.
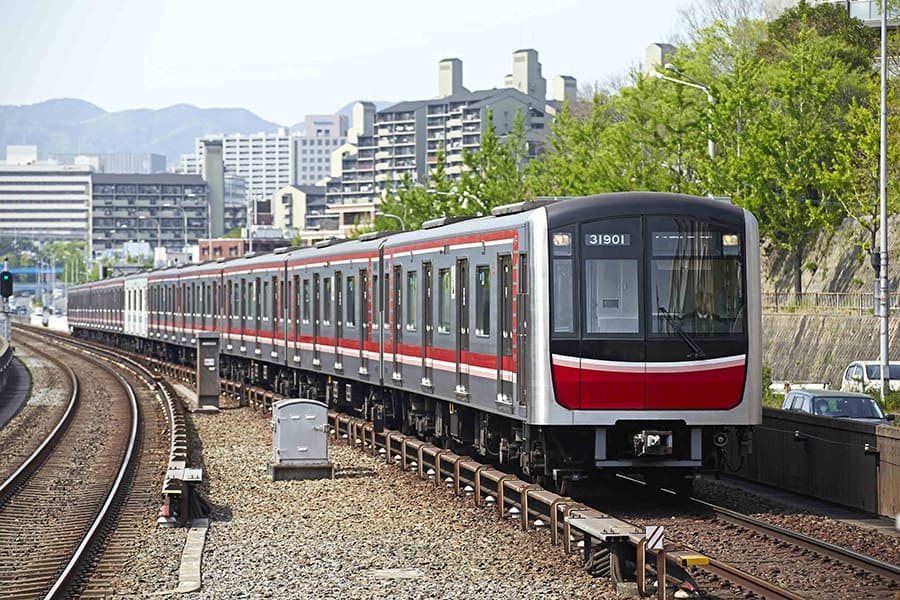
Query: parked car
{"points": [[865, 375], [833, 403]]}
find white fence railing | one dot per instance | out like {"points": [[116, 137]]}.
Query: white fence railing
{"points": [[859, 303]]}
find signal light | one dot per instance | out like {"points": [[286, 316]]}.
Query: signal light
{"points": [[6, 284]]}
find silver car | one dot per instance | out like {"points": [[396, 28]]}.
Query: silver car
{"points": [[833, 403]]}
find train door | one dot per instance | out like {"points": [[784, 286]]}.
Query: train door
{"points": [[427, 324], [397, 321], [505, 345], [363, 288], [462, 326], [294, 338], [317, 309], [523, 317], [338, 291]]}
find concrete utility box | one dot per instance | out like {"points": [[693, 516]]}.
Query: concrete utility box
{"points": [[208, 369], [300, 440]]}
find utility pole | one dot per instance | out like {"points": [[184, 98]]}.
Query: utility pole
{"points": [[884, 304]]}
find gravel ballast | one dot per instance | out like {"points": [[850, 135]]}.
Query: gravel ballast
{"points": [[371, 532]]}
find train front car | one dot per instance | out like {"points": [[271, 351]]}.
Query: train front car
{"points": [[653, 331]]}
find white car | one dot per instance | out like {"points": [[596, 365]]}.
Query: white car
{"points": [[865, 375]]}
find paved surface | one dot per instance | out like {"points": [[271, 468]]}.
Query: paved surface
{"points": [[816, 506], [15, 393]]}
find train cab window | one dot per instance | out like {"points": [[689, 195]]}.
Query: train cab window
{"points": [[350, 302], [327, 299], [612, 250], [483, 301], [696, 274], [444, 299], [412, 285], [563, 290], [307, 301]]}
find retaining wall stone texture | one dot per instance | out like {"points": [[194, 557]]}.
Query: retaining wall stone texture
{"points": [[810, 347]]}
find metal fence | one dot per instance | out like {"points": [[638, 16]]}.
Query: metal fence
{"points": [[854, 303]]}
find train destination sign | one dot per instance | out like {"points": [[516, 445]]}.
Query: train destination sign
{"points": [[607, 239]]}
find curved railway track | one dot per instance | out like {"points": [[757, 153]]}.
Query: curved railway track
{"points": [[57, 505]]}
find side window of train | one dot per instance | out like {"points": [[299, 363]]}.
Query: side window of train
{"points": [[307, 301], [266, 302], [444, 301], [483, 301], [376, 303], [327, 299], [243, 308], [350, 302], [412, 285], [563, 288]]}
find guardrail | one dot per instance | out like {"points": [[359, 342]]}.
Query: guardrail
{"points": [[857, 303]]}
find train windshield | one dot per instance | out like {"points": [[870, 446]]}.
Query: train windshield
{"points": [[696, 278]]}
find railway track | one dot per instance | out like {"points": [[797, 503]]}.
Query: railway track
{"points": [[55, 508], [571, 523], [160, 443]]}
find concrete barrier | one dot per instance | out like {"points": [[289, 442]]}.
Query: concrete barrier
{"points": [[846, 462]]}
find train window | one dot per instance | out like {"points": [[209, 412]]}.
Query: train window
{"points": [[307, 301], [350, 302], [444, 299], [696, 272], [243, 311], [266, 300], [376, 303], [611, 296], [563, 296], [563, 281], [327, 300], [411, 287], [483, 301]]}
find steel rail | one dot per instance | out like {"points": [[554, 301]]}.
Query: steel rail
{"points": [[33, 462], [873, 565]]}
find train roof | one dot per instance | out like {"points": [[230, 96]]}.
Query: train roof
{"points": [[623, 204]]}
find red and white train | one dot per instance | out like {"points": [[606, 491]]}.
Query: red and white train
{"points": [[618, 332]]}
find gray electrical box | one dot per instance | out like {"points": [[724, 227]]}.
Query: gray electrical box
{"points": [[300, 440], [208, 370]]}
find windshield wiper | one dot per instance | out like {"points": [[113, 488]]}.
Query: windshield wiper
{"points": [[697, 351]]}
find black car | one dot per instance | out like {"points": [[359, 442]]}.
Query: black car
{"points": [[834, 403]]}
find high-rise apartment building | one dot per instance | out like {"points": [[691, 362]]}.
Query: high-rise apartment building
{"points": [[267, 162], [404, 139], [263, 160]]}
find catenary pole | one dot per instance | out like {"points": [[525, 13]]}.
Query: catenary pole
{"points": [[884, 298]]}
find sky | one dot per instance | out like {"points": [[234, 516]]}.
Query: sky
{"points": [[286, 59]]}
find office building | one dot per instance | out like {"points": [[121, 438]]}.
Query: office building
{"points": [[167, 210], [43, 202], [321, 135]]}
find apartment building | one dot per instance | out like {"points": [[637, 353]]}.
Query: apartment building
{"points": [[263, 160], [167, 210], [404, 139], [44, 201]]}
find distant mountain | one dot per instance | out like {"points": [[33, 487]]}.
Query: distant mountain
{"points": [[68, 125]]}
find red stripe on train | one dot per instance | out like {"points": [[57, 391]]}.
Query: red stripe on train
{"points": [[708, 389]]}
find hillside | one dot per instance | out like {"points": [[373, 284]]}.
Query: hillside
{"points": [[836, 262], [69, 125]]}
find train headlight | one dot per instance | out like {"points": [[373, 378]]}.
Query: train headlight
{"points": [[720, 439]]}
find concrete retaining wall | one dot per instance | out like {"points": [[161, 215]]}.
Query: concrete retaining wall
{"points": [[811, 347]]}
